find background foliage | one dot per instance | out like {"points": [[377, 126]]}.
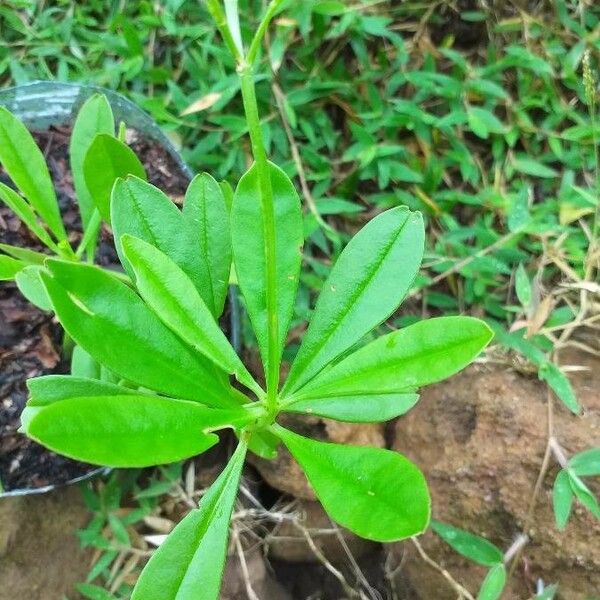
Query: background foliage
{"points": [[476, 117], [481, 115]]}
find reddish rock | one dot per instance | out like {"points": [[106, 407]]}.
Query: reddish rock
{"points": [[480, 439]]}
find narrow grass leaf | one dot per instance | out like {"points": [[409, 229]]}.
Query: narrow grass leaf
{"points": [[470, 546], [562, 498], [493, 584], [523, 286], [530, 166], [547, 371], [583, 494], [586, 464]]}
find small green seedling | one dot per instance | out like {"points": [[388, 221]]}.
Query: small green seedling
{"points": [[480, 551], [569, 486], [171, 368], [93, 151]]}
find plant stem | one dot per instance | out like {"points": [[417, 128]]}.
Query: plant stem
{"points": [[228, 25], [266, 197], [90, 236], [262, 29], [215, 9]]}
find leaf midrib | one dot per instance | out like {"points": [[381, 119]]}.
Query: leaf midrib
{"points": [[349, 305], [207, 244], [386, 364]]}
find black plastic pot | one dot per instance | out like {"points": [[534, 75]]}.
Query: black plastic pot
{"points": [[43, 104]]}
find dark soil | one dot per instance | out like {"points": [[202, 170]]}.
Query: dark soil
{"points": [[30, 340]]}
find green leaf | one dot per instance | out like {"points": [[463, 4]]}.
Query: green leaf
{"points": [[227, 192], [207, 213], [24, 211], [25, 165], [143, 211], [483, 122], [94, 592], [30, 257], [487, 88], [362, 408], [9, 267], [586, 463], [47, 389], [264, 444], [523, 286], [110, 322], [128, 431], [119, 530], [329, 7], [30, 285], [83, 365], [189, 563], [493, 584], [249, 251], [547, 371], [366, 285], [561, 385], [378, 494], [562, 499], [106, 160], [94, 117], [399, 362], [172, 296], [584, 495], [548, 594], [529, 166], [470, 546]]}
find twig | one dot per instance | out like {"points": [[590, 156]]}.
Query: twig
{"points": [[240, 550], [469, 259], [521, 540], [310, 201], [359, 574], [540, 479], [459, 589], [348, 589]]}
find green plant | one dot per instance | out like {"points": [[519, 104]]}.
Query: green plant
{"points": [[92, 150], [158, 336], [483, 552]]}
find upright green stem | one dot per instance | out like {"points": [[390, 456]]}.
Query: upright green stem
{"points": [[215, 9], [228, 24], [268, 209], [262, 29]]}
